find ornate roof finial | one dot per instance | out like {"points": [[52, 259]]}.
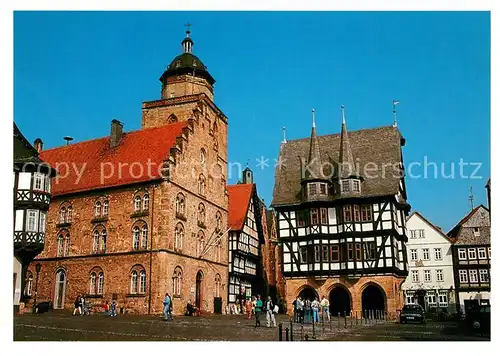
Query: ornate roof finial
{"points": [[394, 103], [284, 135], [314, 122], [187, 43]]}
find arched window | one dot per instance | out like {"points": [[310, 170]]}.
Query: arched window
{"points": [[133, 282], [137, 203], [93, 279], [180, 205], [201, 184], [66, 245], [135, 238], [100, 283], [179, 236], [177, 281], [69, 214], [145, 202], [97, 209], [203, 156], [62, 215], [218, 282], [29, 283], [105, 208], [138, 280], [99, 239], [142, 282], [60, 245], [144, 237], [218, 220], [201, 243], [201, 214]]}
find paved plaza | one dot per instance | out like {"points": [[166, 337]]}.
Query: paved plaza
{"points": [[61, 326]]}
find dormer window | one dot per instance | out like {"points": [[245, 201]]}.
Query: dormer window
{"points": [[355, 186], [477, 233], [312, 188], [345, 186], [322, 188]]}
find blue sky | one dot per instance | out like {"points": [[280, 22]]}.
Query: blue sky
{"points": [[74, 72]]}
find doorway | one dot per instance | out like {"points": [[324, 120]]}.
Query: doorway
{"points": [[198, 294], [340, 301], [373, 298], [308, 293], [60, 289]]}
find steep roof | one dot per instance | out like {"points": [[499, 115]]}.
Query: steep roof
{"points": [[23, 149], [346, 158], [93, 164], [379, 146], [464, 235], [239, 201], [437, 228]]}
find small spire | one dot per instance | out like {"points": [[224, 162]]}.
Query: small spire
{"points": [[314, 122], [284, 135], [471, 199], [395, 122], [187, 43], [342, 107], [346, 158]]}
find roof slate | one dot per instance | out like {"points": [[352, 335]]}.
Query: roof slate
{"points": [[377, 149]]}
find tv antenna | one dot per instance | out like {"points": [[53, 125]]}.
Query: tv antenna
{"points": [[68, 139]]}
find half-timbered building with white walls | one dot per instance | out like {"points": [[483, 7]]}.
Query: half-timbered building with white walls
{"points": [[472, 259], [341, 206], [430, 281], [245, 239]]}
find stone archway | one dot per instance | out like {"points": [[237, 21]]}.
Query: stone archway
{"points": [[308, 292], [373, 298], [340, 301]]}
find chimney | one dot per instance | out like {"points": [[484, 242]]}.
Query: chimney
{"points": [[116, 133], [38, 145]]}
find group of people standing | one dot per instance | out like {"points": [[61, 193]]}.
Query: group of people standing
{"points": [[83, 307], [307, 311], [256, 306]]}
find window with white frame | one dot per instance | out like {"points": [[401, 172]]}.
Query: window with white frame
{"points": [[437, 254], [443, 299], [135, 238], [137, 203], [473, 276], [133, 282], [421, 233], [414, 276], [138, 280], [462, 255], [32, 221], [472, 253], [47, 184], [345, 186], [439, 275], [477, 233], [145, 202], [413, 234], [427, 275], [483, 276], [425, 254], [105, 208], [481, 252], [410, 299], [414, 255], [97, 209], [43, 218], [356, 186], [431, 299], [38, 185], [463, 276]]}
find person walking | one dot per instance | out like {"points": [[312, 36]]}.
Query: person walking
{"points": [[166, 305], [295, 314], [77, 306], [315, 308], [325, 308], [113, 308], [270, 313], [248, 308], [82, 305], [300, 309], [258, 310]]}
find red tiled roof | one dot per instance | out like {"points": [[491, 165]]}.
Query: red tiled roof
{"points": [[239, 201], [98, 165]]}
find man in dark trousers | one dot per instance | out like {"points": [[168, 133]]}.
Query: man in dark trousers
{"points": [[258, 310]]}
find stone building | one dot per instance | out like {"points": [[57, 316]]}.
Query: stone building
{"points": [[341, 209], [139, 214]]}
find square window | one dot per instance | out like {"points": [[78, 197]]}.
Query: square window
{"points": [[463, 276], [312, 188], [345, 186]]}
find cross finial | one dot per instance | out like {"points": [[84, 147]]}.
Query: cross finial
{"points": [[188, 26], [471, 199]]}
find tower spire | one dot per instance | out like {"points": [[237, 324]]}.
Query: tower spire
{"points": [[314, 161], [187, 43], [395, 122], [471, 199], [314, 122], [284, 135], [346, 159]]}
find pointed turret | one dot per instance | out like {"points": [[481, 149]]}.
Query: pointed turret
{"points": [[346, 159], [314, 160]]}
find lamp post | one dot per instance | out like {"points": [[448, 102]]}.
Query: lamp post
{"points": [[37, 268]]}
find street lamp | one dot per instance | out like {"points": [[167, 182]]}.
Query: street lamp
{"points": [[37, 268]]}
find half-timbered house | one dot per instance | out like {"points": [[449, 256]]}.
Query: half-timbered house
{"points": [[341, 210], [472, 259]]}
